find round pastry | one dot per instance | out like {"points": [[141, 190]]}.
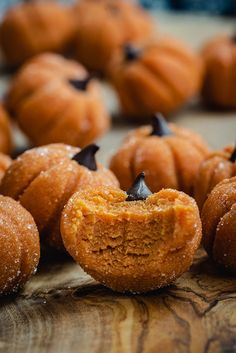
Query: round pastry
{"points": [[220, 60], [55, 100], [219, 223], [104, 26], [19, 245], [134, 241], [218, 166], [167, 71], [35, 27], [44, 178], [169, 155], [5, 162], [5, 132]]}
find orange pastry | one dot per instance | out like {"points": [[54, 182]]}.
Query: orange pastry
{"points": [[5, 132], [35, 27], [218, 166], [5, 162], [219, 223], [44, 178], [169, 155], [134, 241], [161, 75], [19, 245], [104, 26], [220, 60], [55, 100]]}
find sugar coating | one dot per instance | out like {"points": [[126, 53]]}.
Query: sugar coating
{"points": [[23, 35], [219, 223], [215, 168], [182, 152], [44, 178], [5, 132], [131, 246], [19, 245], [113, 24], [49, 109]]}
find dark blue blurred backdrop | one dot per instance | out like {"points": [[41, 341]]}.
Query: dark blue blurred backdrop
{"points": [[224, 7]]}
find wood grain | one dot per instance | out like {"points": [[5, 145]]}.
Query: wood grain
{"points": [[63, 310]]}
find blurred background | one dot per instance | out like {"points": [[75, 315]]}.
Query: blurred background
{"points": [[194, 22], [220, 7]]}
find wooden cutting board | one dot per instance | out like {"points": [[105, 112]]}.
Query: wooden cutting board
{"points": [[63, 310]]}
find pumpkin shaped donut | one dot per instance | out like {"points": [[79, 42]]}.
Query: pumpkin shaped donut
{"points": [[135, 241], [5, 132], [35, 27], [169, 155], [216, 167], [44, 178], [104, 26], [167, 71], [219, 223], [219, 82], [19, 245], [55, 100], [5, 162]]}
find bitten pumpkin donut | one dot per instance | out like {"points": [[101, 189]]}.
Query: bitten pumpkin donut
{"points": [[35, 27], [5, 132], [55, 100], [19, 245], [132, 241], [218, 166], [167, 71], [44, 178], [169, 155], [104, 26], [219, 223], [220, 60]]}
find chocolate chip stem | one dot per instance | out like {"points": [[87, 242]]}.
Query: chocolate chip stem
{"points": [[232, 158], [131, 53], [160, 126], [81, 84], [86, 157], [139, 189]]}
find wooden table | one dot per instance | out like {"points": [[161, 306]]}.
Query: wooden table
{"points": [[62, 310]]}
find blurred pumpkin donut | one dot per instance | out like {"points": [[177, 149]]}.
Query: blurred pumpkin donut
{"points": [[169, 155], [103, 26], [35, 27], [19, 245], [5, 132], [161, 75], [55, 100], [134, 241], [44, 178], [219, 82], [219, 223], [218, 166], [5, 162]]}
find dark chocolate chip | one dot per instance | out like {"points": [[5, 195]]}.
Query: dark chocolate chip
{"points": [[160, 126], [131, 52], [232, 158], [81, 84], [139, 189], [86, 157]]}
